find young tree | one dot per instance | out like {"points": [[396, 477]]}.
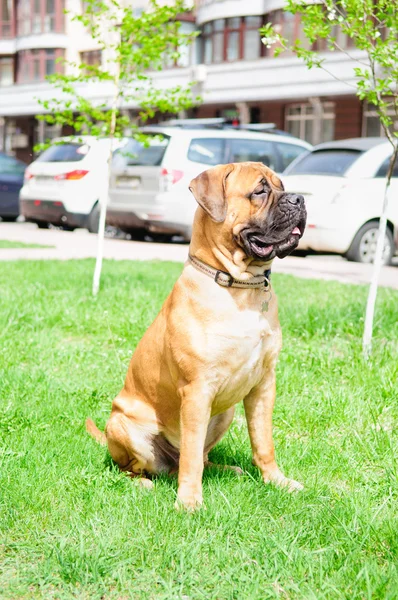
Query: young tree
{"points": [[373, 27], [134, 46]]}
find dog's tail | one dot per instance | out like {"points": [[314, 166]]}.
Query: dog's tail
{"points": [[95, 432]]}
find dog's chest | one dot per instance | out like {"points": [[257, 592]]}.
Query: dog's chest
{"points": [[249, 348]]}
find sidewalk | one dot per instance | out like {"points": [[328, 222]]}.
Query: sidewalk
{"points": [[81, 244]]}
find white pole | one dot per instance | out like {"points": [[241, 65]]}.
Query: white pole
{"points": [[370, 305], [371, 302], [104, 198], [101, 227]]}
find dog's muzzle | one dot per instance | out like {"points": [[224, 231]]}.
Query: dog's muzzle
{"points": [[281, 231]]}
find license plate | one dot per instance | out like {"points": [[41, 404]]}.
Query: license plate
{"points": [[43, 180], [128, 182]]}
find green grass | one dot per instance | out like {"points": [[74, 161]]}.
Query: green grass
{"points": [[72, 526], [12, 244]]}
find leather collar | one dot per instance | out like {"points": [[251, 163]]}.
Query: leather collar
{"points": [[226, 280]]}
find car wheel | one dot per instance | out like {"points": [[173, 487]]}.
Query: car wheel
{"points": [[42, 224], [363, 247], [137, 235], [161, 238], [93, 219], [9, 219]]}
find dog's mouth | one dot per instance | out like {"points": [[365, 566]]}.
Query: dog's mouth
{"points": [[259, 246]]}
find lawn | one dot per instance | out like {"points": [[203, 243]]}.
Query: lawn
{"points": [[72, 526], [12, 244]]}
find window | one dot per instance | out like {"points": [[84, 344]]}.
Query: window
{"points": [[64, 153], [11, 166], [35, 65], [136, 154], [208, 151], [288, 26], [252, 45], [241, 150], [233, 38], [44, 131], [326, 162], [311, 122], [287, 153], [24, 17], [91, 57], [40, 16], [236, 38], [50, 16], [371, 122], [382, 172], [218, 40], [6, 19], [6, 71], [185, 51]]}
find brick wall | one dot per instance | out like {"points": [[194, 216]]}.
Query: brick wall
{"points": [[348, 121], [272, 112]]}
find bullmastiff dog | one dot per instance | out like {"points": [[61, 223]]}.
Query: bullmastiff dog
{"points": [[216, 339]]}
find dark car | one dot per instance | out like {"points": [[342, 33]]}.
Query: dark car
{"points": [[11, 180]]}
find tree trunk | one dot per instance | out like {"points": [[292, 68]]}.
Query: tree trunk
{"points": [[104, 199], [370, 305], [101, 226]]}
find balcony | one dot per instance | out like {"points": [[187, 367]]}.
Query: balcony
{"points": [[208, 10]]}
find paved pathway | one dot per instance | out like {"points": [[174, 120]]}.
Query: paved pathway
{"points": [[81, 244]]}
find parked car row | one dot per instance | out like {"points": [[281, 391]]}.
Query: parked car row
{"points": [[11, 180], [64, 184], [149, 185], [343, 184]]}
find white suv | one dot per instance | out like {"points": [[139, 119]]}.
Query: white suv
{"points": [[149, 185], [64, 184]]}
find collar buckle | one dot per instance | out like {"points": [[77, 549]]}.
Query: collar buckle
{"points": [[267, 279], [229, 282]]}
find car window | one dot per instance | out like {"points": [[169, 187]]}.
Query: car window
{"points": [[382, 172], [11, 166], [135, 153], [325, 162], [288, 152], [241, 150], [209, 151], [68, 152]]}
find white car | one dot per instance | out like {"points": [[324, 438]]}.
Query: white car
{"points": [[343, 184], [63, 185], [149, 185]]}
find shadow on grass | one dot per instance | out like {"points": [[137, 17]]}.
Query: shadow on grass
{"points": [[219, 456]]}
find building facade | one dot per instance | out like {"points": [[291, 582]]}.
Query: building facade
{"points": [[237, 76]]}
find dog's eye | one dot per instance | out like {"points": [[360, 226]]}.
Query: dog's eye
{"points": [[260, 190]]}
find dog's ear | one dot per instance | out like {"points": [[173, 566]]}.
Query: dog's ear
{"points": [[208, 189]]}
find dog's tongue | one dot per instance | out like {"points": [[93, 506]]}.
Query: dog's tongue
{"points": [[295, 231], [264, 250]]}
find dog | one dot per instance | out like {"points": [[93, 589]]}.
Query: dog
{"points": [[216, 339]]}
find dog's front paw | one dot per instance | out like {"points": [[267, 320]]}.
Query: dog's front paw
{"points": [[145, 483], [189, 501], [291, 485], [276, 477]]}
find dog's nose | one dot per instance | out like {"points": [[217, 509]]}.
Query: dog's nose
{"points": [[295, 199]]}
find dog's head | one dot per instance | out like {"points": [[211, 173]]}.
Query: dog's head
{"points": [[246, 206]]}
